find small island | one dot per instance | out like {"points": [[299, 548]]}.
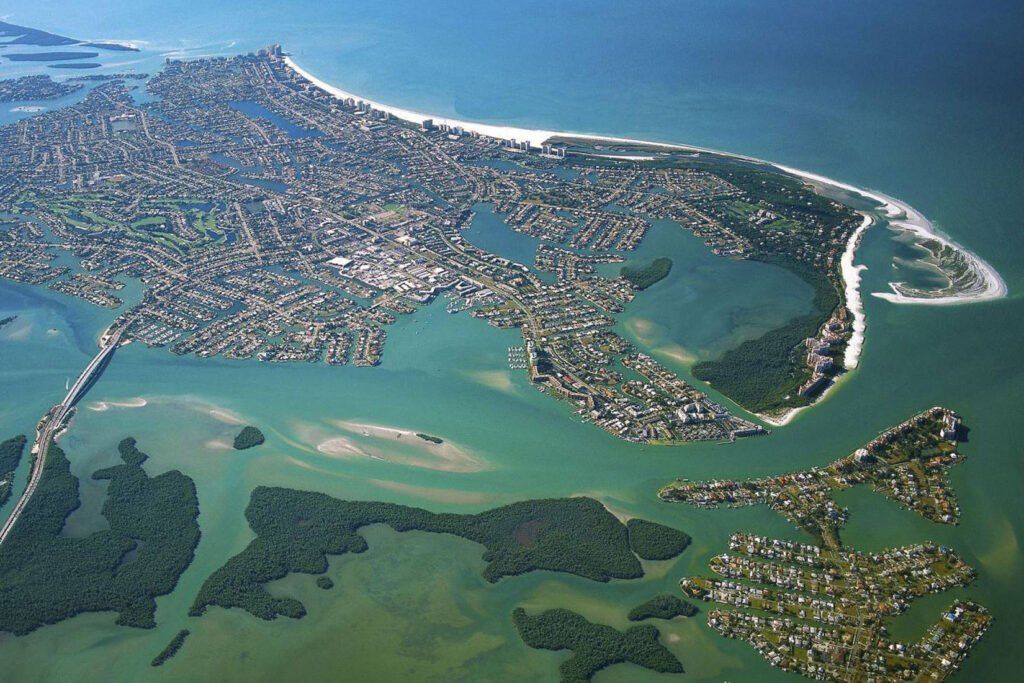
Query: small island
{"points": [[653, 541], [172, 648], [49, 56], [248, 438], [642, 278], [431, 439], [663, 607], [75, 65], [324, 582], [594, 646]]}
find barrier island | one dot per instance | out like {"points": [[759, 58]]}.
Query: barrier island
{"points": [[231, 268]]}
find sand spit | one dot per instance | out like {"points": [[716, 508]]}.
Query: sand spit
{"points": [[495, 379], [444, 456], [902, 216], [102, 406]]}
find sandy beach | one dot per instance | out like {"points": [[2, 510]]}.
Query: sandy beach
{"points": [[851, 276]]}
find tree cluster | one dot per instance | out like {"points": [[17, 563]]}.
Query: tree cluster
{"points": [[594, 646]]}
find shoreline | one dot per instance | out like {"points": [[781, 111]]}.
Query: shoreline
{"points": [[851, 276], [906, 217]]}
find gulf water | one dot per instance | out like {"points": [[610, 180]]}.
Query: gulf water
{"points": [[920, 100]]}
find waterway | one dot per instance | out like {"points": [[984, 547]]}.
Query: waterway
{"points": [[918, 100]]}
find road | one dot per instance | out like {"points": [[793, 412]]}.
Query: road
{"points": [[53, 422]]}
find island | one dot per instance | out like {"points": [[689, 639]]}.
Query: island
{"points": [[430, 439], [249, 254], [297, 530], [247, 438], [820, 609], [642, 278], [290, 222], [75, 65], [594, 646], [172, 648], [663, 607], [46, 577], [48, 56]]}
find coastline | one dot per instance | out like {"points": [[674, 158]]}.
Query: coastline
{"points": [[905, 217], [851, 277]]}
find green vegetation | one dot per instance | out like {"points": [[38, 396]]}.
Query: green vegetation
{"points": [[324, 582], [431, 439], [653, 541], [179, 224], [247, 438], [45, 578], [296, 530], [594, 646], [662, 607], [642, 278], [172, 648], [10, 456], [765, 374]]}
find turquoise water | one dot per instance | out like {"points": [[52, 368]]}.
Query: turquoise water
{"points": [[919, 100]]}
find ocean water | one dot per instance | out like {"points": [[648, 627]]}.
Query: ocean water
{"points": [[920, 100]]}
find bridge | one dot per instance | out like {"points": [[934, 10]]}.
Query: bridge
{"points": [[54, 421]]}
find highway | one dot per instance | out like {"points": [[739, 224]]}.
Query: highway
{"points": [[53, 422]]}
